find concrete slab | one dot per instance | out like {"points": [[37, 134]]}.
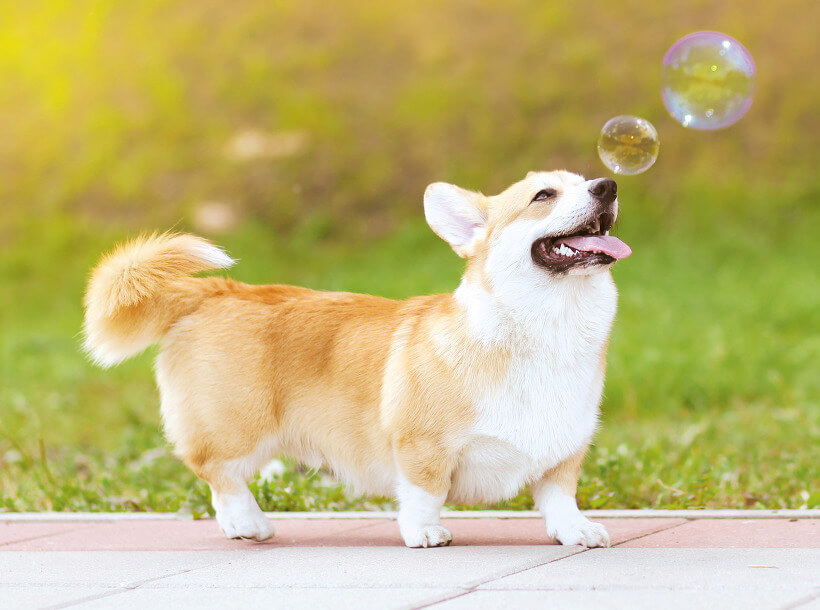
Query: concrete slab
{"points": [[370, 567], [101, 568], [272, 598], [652, 599], [620, 568], [736, 533], [29, 597]]}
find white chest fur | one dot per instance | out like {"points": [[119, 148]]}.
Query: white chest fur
{"points": [[545, 408]]}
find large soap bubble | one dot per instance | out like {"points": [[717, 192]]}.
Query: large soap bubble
{"points": [[628, 144], [707, 80]]}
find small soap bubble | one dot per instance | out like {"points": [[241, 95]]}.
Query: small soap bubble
{"points": [[628, 144], [707, 80]]}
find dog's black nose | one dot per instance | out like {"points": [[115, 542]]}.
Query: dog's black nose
{"points": [[604, 189]]}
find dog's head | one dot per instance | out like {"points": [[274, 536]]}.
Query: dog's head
{"points": [[548, 226]]}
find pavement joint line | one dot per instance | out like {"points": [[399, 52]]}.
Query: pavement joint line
{"points": [[803, 601], [442, 599], [386, 587], [642, 587], [445, 514], [87, 598], [663, 529], [474, 585], [534, 563], [272, 587], [315, 587], [131, 586]]}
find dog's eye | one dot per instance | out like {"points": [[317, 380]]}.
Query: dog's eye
{"points": [[545, 194]]}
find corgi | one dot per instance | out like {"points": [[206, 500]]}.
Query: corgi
{"points": [[463, 397]]}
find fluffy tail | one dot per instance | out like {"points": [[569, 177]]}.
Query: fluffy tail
{"points": [[140, 289]]}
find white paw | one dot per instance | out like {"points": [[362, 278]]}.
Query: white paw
{"points": [[252, 527], [579, 530], [427, 536]]}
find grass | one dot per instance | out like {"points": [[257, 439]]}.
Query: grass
{"points": [[119, 118], [719, 459], [709, 402]]}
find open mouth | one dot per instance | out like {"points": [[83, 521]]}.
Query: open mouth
{"points": [[589, 245]]}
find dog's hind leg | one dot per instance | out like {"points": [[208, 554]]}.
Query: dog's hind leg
{"points": [[209, 434], [226, 467], [419, 521]]}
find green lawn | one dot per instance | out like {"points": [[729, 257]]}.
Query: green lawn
{"points": [[118, 118]]}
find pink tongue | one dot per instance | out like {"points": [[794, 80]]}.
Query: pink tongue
{"points": [[608, 244]]}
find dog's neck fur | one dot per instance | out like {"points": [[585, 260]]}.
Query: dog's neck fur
{"points": [[554, 333], [569, 312]]}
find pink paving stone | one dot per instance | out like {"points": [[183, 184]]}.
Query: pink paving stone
{"points": [[736, 533], [482, 532], [317, 532], [130, 536], [487, 532], [178, 536], [373, 533], [205, 535], [16, 532]]}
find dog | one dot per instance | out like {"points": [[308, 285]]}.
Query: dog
{"points": [[463, 397]]}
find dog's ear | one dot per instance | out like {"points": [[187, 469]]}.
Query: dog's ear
{"points": [[456, 215]]}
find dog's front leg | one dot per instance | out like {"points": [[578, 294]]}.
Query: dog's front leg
{"points": [[422, 482], [554, 496]]}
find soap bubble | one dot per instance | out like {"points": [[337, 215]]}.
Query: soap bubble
{"points": [[707, 80], [628, 144]]}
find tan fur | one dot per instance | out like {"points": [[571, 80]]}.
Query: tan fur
{"points": [[138, 291], [566, 474], [241, 364], [307, 366]]}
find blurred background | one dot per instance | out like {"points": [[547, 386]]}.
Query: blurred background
{"points": [[301, 136]]}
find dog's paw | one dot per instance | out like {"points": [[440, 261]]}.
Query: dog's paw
{"points": [[251, 527], [427, 536], [579, 530]]}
